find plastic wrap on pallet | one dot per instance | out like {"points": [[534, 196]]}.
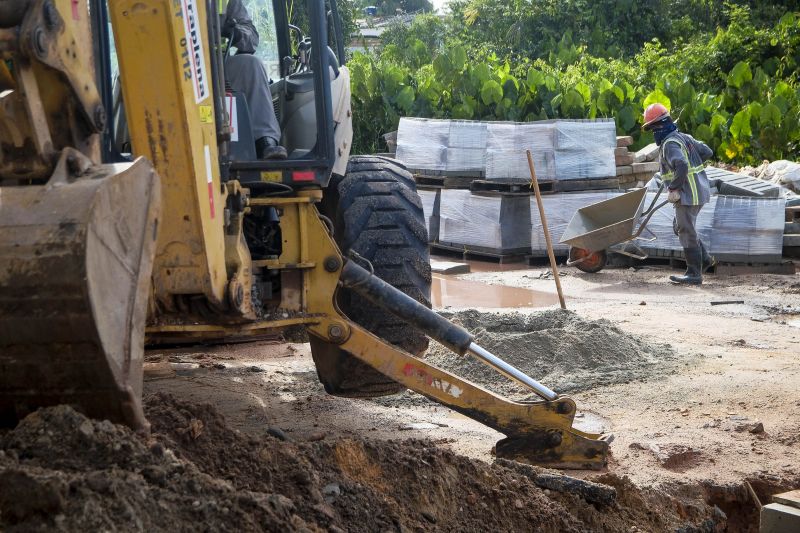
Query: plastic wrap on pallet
{"points": [[430, 209], [494, 223], [422, 143], [559, 209], [576, 135], [748, 226], [505, 150], [468, 134], [465, 159], [585, 149]]}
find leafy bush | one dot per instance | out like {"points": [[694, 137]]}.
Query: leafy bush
{"points": [[738, 91]]}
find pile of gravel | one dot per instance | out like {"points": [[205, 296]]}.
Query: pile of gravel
{"points": [[559, 348]]}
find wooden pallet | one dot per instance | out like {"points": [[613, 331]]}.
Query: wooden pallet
{"points": [[480, 253], [600, 184], [473, 174], [515, 187], [444, 182]]}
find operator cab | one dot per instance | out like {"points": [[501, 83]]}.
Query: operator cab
{"points": [[299, 96]]}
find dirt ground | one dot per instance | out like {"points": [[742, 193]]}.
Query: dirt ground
{"points": [[703, 401], [723, 409]]}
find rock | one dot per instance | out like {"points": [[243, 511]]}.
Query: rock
{"points": [[325, 510], [277, 433], [86, 428], [155, 475], [157, 449], [418, 425], [642, 303], [279, 502], [428, 516], [316, 436], [22, 495], [196, 427], [255, 368], [99, 481], [751, 427], [331, 491], [518, 504], [675, 456]]}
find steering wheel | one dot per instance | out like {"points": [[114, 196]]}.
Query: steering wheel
{"points": [[302, 61]]}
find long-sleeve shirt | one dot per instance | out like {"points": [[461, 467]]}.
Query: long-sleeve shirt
{"points": [[682, 159]]}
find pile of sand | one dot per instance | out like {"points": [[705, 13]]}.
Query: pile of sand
{"points": [[558, 348]]}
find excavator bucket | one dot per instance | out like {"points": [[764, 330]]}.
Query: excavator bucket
{"points": [[75, 262]]}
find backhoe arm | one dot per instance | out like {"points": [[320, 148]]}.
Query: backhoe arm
{"points": [[537, 432]]}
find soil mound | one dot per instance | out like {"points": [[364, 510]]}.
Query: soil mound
{"points": [[559, 348], [62, 471]]}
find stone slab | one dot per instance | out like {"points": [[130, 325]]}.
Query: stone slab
{"points": [[623, 170], [648, 153], [624, 140], [791, 498], [779, 518], [653, 166]]}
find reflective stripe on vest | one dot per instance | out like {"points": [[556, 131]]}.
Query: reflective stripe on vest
{"points": [[669, 176]]}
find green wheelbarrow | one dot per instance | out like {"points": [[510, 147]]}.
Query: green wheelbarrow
{"points": [[609, 226]]}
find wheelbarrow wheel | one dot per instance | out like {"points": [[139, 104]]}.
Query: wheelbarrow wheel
{"points": [[586, 261]]}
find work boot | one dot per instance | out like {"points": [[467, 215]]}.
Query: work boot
{"points": [[268, 148], [694, 264], [709, 261]]}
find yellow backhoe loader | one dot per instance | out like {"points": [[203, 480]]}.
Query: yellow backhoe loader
{"points": [[133, 210]]}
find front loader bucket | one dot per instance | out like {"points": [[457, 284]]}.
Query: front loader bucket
{"points": [[75, 264]]}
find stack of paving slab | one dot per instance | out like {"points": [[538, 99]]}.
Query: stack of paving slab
{"points": [[634, 169], [559, 209], [485, 223], [431, 200], [736, 228], [561, 149]]}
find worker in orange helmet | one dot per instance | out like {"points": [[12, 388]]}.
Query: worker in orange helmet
{"points": [[681, 157]]}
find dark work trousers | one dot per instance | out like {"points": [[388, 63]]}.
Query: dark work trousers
{"points": [[246, 73], [685, 220]]}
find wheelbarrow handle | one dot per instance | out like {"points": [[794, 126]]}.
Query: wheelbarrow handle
{"points": [[650, 209], [650, 212]]}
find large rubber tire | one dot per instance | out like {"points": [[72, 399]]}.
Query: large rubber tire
{"points": [[376, 213]]}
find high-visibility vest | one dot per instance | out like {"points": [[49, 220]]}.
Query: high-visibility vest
{"points": [[694, 173]]}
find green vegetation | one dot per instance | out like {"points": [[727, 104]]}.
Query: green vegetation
{"points": [[729, 72]]}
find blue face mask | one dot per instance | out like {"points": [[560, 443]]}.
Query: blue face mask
{"points": [[661, 133]]}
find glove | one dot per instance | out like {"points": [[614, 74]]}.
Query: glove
{"points": [[674, 196]]}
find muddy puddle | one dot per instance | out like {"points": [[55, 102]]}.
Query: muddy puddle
{"points": [[447, 291]]}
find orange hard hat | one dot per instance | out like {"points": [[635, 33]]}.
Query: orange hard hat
{"points": [[654, 113]]}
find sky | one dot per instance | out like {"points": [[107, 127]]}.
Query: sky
{"points": [[439, 4]]}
